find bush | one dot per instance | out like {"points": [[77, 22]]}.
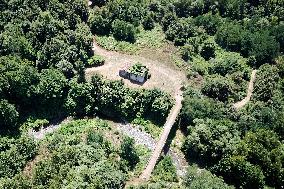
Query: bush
{"points": [[218, 87], [128, 153], [198, 179], [123, 31], [96, 60], [187, 52], [180, 31], [236, 170], [208, 50], [8, 116], [165, 171], [148, 22]]}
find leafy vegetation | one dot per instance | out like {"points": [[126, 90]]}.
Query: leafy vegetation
{"points": [[46, 45]]}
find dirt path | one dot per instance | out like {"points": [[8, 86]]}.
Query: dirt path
{"points": [[242, 103], [162, 77], [145, 176]]}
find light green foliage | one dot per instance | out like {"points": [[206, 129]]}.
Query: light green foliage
{"points": [[209, 140], [165, 171], [77, 155], [198, 179], [154, 38], [139, 69], [35, 124], [15, 154], [266, 83], [148, 127], [96, 60]]}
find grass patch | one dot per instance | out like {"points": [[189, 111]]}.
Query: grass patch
{"points": [[145, 39]]}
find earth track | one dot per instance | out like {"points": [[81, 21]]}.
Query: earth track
{"points": [[242, 103]]}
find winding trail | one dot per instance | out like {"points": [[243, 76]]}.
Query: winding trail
{"points": [[242, 103]]}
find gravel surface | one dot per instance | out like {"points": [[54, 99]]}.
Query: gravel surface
{"points": [[43, 131], [134, 132], [145, 139]]}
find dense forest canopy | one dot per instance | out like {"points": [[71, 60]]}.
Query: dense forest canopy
{"points": [[45, 46]]}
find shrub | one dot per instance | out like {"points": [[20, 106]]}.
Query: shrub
{"points": [[236, 170], [148, 22], [8, 116], [218, 87], [187, 52], [128, 153], [180, 31], [165, 171], [96, 60], [123, 31]]}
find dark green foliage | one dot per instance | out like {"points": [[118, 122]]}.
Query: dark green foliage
{"points": [[209, 22], [165, 171], [180, 31], [169, 19], [187, 52], [100, 22], [50, 92], [80, 100], [16, 155], [264, 148], [8, 116], [230, 36], [128, 152], [278, 32], [240, 172], [149, 22], [210, 140], [200, 108], [218, 87], [208, 50], [123, 30], [260, 45], [99, 2], [266, 83]]}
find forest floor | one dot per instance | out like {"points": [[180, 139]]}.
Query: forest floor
{"points": [[163, 76], [242, 103]]}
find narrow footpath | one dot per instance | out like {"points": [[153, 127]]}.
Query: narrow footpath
{"points": [[242, 103], [146, 174]]}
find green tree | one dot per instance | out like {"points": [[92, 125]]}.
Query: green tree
{"points": [[9, 115], [218, 87], [128, 152], [236, 170], [165, 170], [123, 30], [198, 179], [266, 83], [209, 140]]}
